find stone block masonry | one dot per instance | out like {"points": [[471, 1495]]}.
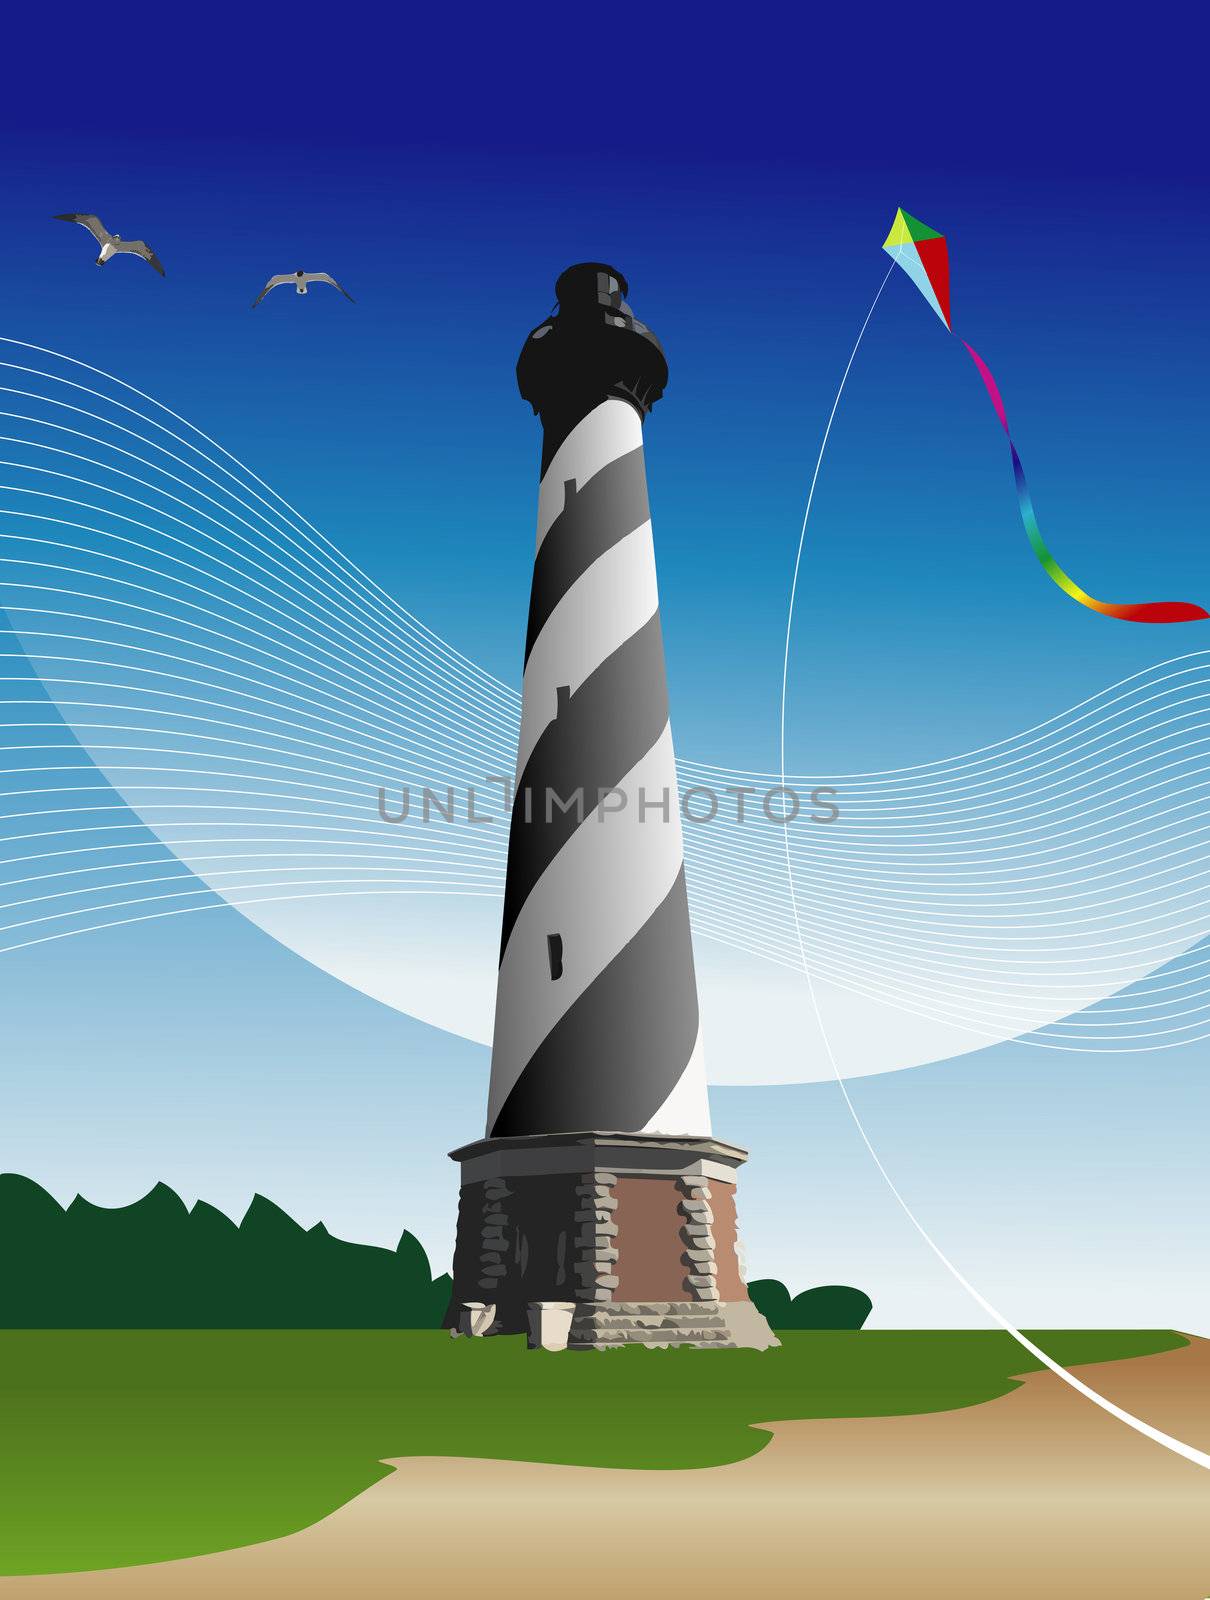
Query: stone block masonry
{"points": [[637, 1233]]}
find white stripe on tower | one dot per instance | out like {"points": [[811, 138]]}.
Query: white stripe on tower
{"points": [[687, 1105], [597, 1021], [590, 444], [600, 611], [607, 881]]}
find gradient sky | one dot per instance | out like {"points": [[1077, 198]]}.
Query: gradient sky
{"points": [[744, 181]]}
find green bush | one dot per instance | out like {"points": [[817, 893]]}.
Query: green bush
{"points": [[832, 1305]]}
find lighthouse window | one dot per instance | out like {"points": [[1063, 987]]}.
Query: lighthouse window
{"points": [[554, 954]]}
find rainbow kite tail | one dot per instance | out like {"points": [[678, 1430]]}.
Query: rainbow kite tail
{"points": [[1149, 611]]}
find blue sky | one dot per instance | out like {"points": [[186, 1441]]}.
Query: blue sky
{"points": [[744, 180]]}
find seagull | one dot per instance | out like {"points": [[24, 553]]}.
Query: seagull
{"points": [[112, 244], [300, 280]]}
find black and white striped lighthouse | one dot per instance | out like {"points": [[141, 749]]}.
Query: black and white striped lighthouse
{"points": [[598, 1210]]}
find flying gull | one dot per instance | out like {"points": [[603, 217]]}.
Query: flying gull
{"points": [[112, 244], [300, 280]]}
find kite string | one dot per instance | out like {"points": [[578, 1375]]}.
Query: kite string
{"points": [[1177, 1446]]}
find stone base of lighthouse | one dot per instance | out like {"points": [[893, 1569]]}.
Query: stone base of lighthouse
{"points": [[606, 1239]]}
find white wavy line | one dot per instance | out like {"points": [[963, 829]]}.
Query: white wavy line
{"points": [[1055, 848], [364, 733], [22, 539], [1004, 961], [101, 554], [1013, 898], [932, 1001], [1002, 875], [463, 880], [369, 775], [283, 847], [322, 788], [324, 545], [203, 889], [339, 857], [423, 660], [854, 778], [871, 808], [924, 942], [477, 674], [817, 892], [234, 905], [897, 1002], [851, 892], [947, 830], [921, 849], [258, 551], [1028, 776], [197, 700], [1025, 990]]}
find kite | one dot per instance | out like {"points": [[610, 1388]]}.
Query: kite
{"points": [[922, 254]]}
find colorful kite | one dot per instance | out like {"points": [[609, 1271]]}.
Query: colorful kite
{"points": [[921, 252]]}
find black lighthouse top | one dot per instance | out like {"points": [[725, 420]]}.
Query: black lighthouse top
{"points": [[592, 347]]}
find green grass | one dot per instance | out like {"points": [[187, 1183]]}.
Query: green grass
{"points": [[123, 1447]]}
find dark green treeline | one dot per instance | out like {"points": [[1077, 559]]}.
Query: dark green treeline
{"points": [[161, 1264]]}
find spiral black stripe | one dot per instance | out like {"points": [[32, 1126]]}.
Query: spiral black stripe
{"points": [[601, 732], [611, 505], [558, 424], [615, 1056]]}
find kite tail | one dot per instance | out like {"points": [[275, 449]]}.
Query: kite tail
{"points": [[1151, 611]]}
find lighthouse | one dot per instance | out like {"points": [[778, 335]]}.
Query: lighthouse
{"points": [[598, 1209]]}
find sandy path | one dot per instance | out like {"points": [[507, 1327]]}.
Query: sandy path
{"points": [[1037, 1494]]}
